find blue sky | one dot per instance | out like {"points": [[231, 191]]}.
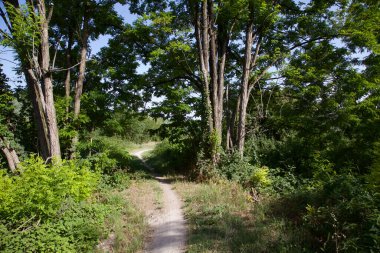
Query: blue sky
{"points": [[7, 57]]}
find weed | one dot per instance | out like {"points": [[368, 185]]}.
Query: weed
{"points": [[222, 219]]}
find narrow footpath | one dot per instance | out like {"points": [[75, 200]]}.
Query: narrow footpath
{"points": [[169, 231]]}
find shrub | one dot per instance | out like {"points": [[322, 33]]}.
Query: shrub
{"points": [[107, 154], [118, 180], [168, 157], [39, 189], [260, 177], [77, 227], [43, 208], [344, 215], [235, 168]]}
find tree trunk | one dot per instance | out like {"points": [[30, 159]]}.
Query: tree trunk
{"points": [[51, 119], [80, 81], [212, 50], [36, 68], [68, 74], [9, 154], [11, 163], [244, 90], [38, 103]]}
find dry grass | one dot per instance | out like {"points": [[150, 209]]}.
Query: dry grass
{"points": [[130, 228], [223, 218]]}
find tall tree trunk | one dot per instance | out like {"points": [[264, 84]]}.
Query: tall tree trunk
{"points": [[68, 73], [244, 90], [201, 34], [228, 119], [36, 68], [51, 119], [38, 103], [217, 108], [80, 80], [212, 50]]}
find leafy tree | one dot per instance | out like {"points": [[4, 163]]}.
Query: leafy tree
{"points": [[28, 35], [75, 24]]}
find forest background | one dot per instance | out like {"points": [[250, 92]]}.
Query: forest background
{"points": [[280, 97]]}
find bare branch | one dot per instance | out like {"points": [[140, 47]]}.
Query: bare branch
{"points": [[65, 69], [50, 14], [256, 54], [3, 59], [306, 42], [6, 21], [252, 84]]}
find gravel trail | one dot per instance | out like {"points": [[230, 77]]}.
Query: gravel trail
{"points": [[169, 231]]}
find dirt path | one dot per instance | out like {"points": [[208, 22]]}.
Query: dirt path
{"points": [[168, 225]]}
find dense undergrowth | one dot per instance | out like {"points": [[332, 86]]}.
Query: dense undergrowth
{"points": [[72, 206], [255, 208], [224, 217]]}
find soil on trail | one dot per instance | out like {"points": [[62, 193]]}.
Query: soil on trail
{"points": [[168, 225]]}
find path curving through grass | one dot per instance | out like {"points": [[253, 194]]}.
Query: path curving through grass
{"points": [[168, 225]]}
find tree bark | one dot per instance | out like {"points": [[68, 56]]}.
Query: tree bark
{"points": [[80, 81], [11, 164], [244, 90], [81, 76], [51, 119], [38, 104], [68, 73], [36, 68], [9, 154], [212, 40]]}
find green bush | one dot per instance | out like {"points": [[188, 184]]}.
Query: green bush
{"points": [[344, 215], [260, 177], [77, 227], [118, 180], [44, 208], [235, 168], [108, 154], [38, 190], [168, 157]]}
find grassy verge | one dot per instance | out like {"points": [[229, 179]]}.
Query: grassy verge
{"points": [[126, 223], [141, 196], [223, 218]]}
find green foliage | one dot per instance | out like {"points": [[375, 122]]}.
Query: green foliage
{"points": [[133, 128], [107, 154], [235, 168], [344, 215], [117, 180], [167, 157], [374, 176], [77, 227], [11, 120], [25, 36], [43, 208], [260, 177], [53, 208], [38, 190]]}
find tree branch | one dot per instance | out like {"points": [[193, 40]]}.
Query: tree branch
{"points": [[6, 21], [2, 32], [50, 14], [65, 69]]}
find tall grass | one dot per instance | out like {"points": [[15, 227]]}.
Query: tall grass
{"points": [[223, 218]]}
